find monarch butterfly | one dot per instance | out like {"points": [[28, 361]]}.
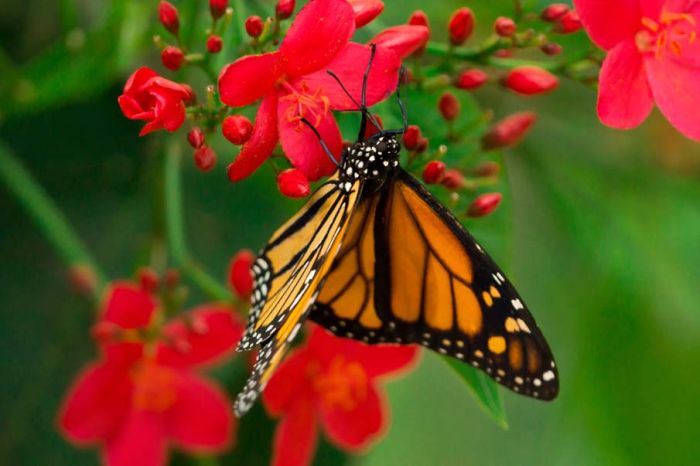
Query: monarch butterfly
{"points": [[375, 257]]}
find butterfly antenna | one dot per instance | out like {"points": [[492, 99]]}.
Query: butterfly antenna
{"points": [[402, 106], [323, 144], [363, 102], [365, 112]]}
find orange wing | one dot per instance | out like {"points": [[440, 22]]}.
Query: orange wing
{"points": [[431, 283]]}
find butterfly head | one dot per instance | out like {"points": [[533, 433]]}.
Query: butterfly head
{"points": [[372, 159]]}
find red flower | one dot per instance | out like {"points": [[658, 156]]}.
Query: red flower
{"points": [[332, 382], [294, 84], [508, 131], [530, 80], [154, 99], [653, 56], [143, 395]]}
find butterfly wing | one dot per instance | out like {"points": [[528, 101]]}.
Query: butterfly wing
{"points": [[287, 275], [433, 285]]}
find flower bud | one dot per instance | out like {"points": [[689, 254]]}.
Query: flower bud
{"points": [[105, 332], [237, 129], [508, 131], [148, 279], [419, 18], [461, 25], [551, 48], [453, 179], [293, 183], [240, 275], [568, 23], [530, 80], [411, 137], [167, 13], [83, 279], [284, 8], [504, 27], [484, 204], [195, 137], [449, 106], [217, 8], [254, 26], [554, 12], [434, 172], [471, 79], [172, 278], [422, 144], [487, 169], [172, 57], [503, 53], [366, 10], [214, 43], [205, 158]]}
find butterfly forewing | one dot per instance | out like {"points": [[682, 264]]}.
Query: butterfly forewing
{"points": [[287, 276], [433, 285]]}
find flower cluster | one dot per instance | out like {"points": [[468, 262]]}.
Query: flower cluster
{"points": [[145, 392]]}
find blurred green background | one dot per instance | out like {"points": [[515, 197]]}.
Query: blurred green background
{"points": [[600, 233]]}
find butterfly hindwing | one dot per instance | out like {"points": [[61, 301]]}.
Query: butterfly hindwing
{"points": [[434, 285], [288, 274]]}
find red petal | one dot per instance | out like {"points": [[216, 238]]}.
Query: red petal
{"points": [[301, 146], [624, 96], [287, 384], [128, 306], [349, 65], [249, 78], [130, 107], [201, 419], [296, 436], [138, 80], [261, 143], [676, 89], [141, 441], [365, 11], [169, 109], [207, 334], [96, 404], [608, 23], [377, 360], [321, 29], [354, 429], [403, 39]]}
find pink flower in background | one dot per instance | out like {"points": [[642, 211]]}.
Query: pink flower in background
{"points": [[653, 56], [142, 396]]}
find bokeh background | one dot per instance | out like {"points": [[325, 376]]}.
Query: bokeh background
{"points": [[600, 233]]}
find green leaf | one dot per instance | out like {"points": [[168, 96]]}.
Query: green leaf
{"points": [[482, 388]]}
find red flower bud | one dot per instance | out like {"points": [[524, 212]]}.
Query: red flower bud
{"points": [[551, 48], [293, 183], [503, 53], [240, 275], [419, 18], [254, 26], [105, 332], [83, 279], [453, 179], [217, 8], [411, 137], [484, 204], [504, 27], [434, 172], [195, 137], [449, 106], [530, 80], [461, 25], [237, 129], [554, 12], [148, 278], [205, 158], [366, 10], [568, 23], [172, 278], [487, 169], [284, 8], [167, 13], [471, 79], [214, 44], [172, 57], [508, 131], [422, 144]]}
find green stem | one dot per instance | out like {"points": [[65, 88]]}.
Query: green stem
{"points": [[175, 226], [476, 54], [46, 215]]}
